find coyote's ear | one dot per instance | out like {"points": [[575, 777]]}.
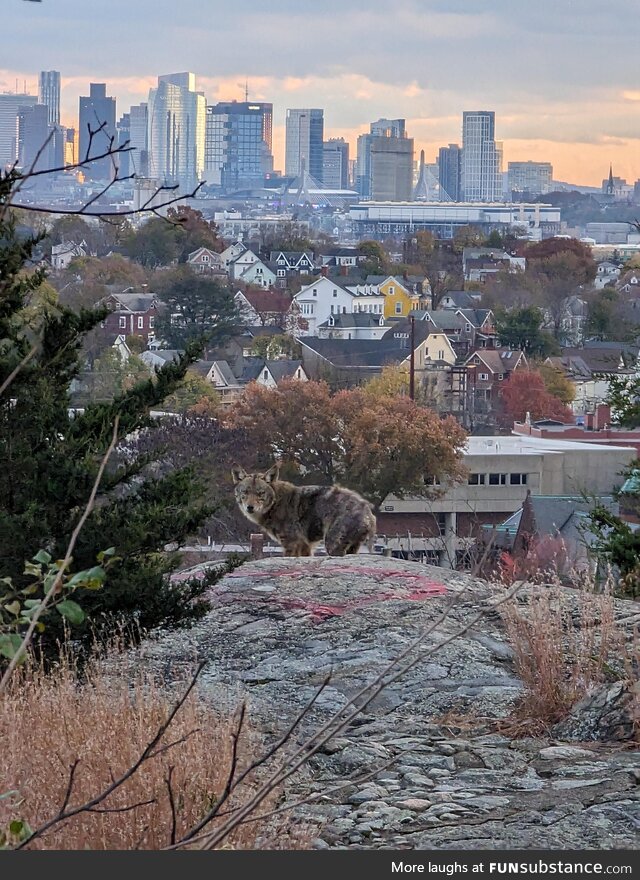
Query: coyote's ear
{"points": [[238, 473], [272, 473]]}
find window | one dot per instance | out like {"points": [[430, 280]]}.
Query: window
{"points": [[398, 308], [392, 291], [441, 519], [122, 323], [497, 479], [518, 479], [205, 258], [500, 377], [431, 480], [441, 354], [468, 328], [140, 322], [152, 322], [265, 375], [281, 273], [477, 479], [484, 377]]}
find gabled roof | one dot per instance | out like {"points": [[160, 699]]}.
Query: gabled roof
{"points": [[280, 369], [477, 317], [355, 319], [283, 369], [497, 360], [267, 300], [443, 319], [597, 360], [563, 516], [461, 299], [357, 352], [135, 302], [200, 251]]}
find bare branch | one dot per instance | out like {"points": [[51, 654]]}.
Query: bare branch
{"points": [[267, 755], [26, 641], [338, 721], [103, 214], [172, 804], [25, 360], [147, 753]]}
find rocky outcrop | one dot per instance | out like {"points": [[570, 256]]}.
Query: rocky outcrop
{"points": [[278, 627]]}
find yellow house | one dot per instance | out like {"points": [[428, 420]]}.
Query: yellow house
{"points": [[398, 299]]}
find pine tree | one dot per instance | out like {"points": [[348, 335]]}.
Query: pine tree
{"points": [[49, 455]]}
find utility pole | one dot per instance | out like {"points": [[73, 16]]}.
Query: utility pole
{"points": [[412, 361]]}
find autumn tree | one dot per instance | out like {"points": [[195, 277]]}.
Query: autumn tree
{"points": [[524, 393], [194, 395], [193, 231], [560, 267], [373, 444], [393, 381], [557, 383]]}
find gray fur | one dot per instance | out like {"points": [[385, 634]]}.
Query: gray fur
{"points": [[299, 517]]}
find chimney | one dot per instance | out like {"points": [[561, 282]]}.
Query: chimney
{"points": [[324, 271]]}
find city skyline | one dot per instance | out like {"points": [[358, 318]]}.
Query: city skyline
{"points": [[559, 77]]}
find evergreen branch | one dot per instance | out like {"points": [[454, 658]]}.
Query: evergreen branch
{"points": [[48, 598]]}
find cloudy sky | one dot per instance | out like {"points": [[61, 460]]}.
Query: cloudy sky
{"points": [[561, 75]]}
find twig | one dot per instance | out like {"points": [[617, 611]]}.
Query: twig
{"points": [[120, 809], [147, 753], [337, 723], [26, 641], [25, 360], [269, 753], [172, 804]]}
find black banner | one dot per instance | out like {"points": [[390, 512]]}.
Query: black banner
{"points": [[328, 865]]}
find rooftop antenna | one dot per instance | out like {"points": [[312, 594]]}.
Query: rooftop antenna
{"points": [[246, 90]]}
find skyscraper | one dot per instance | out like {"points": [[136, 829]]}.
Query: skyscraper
{"points": [[9, 106], [385, 162], [96, 110], [49, 94], [304, 142], [238, 144], [123, 160], [177, 122], [481, 175], [33, 134], [138, 140], [449, 170], [533, 178], [335, 164]]}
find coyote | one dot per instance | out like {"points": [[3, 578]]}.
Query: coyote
{"points": [[298, 517]]}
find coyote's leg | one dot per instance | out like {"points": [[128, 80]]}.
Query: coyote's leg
{"points": [[297, 548]]}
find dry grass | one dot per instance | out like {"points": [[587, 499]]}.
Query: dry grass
{"points": [[48, 722], [566, 643]]}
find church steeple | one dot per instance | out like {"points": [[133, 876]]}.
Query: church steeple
{"points": [[611, 189]]}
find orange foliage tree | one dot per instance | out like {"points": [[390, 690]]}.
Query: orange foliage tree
{"points": [[525, 392], [373, 444]]}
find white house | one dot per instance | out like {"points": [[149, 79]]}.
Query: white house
{"points": [[239, 264], [63, 254], [325, 297], [230, 253], [257, 273]]}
